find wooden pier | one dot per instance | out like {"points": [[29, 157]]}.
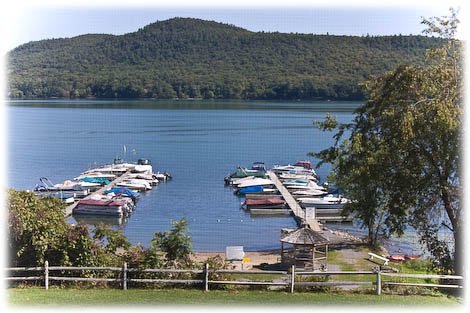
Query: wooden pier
{"points": [[296, 209], [69, 209]]}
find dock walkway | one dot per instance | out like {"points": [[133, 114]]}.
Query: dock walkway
{"points": [[69, 209], [296, 209]]}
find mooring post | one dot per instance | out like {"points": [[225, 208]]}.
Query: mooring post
{"points": [[206, 277], [292, 279], [378, 287], [124, 276], [46, 275]]}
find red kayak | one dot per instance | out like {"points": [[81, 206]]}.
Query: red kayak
{"points": [[411, 256], [397, 257]]}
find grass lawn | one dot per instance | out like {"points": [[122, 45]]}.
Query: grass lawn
{"points": [[80, 297]]}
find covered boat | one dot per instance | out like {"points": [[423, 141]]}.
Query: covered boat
{"points": [[327, 202], [256, 182], [266, 203], [122, 191], [115, 207]]}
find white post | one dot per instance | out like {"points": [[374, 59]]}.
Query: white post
{"points": [[206, 277], [46, 275], [378, 287], [124, 276], [292, 279]]}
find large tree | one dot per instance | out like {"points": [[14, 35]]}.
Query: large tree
{"points": [[400, 160]]}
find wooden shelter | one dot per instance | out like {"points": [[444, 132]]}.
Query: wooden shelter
{"points": [[306, 248]]}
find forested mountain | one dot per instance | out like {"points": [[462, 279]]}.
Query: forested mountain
{"points": [[191, 58]]}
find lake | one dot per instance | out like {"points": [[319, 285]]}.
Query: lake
{"points": [[197, 142]]}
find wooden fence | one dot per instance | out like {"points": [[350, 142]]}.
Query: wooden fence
{"points": [[288, 279]]}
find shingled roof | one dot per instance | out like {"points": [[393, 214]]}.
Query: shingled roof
{"points": [[304, 236]]}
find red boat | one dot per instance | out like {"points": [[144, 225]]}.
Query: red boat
{"points": [[267, 203], [412, 256], [397, 257]]}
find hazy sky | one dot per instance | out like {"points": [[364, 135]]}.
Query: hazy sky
{"points": [[35, 22]]}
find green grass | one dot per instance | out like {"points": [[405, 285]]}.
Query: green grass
{"points": [[81, 297]]}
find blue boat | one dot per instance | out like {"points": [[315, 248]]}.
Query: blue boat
{"points": [[123, 191], [251, 189], [99, 180]]}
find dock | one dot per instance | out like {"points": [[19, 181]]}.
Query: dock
{"points": [[69, 209], [297, 210]]}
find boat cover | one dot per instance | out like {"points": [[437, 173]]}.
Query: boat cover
{"points": [[265, 201], [251, 189], [100, 180], [122, 191]]}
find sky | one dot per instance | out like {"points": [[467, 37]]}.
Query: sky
{"points": [[52, 19]]}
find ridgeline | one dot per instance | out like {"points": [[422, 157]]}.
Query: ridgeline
{"points": [[192, 58]]}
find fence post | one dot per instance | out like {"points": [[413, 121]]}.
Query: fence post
{"points": [[124, 276], [292, 279], [378, 287], [206, 277], [46, 275]]}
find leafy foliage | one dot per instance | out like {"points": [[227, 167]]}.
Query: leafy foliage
{"points": [[38, 232], [174, 244], [401, 161], [191, 58]]}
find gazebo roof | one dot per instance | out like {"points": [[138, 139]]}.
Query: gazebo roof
{"points": [[304, 236]]}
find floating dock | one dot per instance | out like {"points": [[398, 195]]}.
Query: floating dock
{"points": [[297, 210]]}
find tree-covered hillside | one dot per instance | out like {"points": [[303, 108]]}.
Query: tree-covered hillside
{"points": [[191, 58]]}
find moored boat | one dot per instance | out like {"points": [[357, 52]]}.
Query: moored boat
{"points": [[327, 202]]}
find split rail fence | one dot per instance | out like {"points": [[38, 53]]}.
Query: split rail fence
{"points": [[288, 279]]}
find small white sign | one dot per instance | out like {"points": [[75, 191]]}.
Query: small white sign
{"points": [[234, 253]]}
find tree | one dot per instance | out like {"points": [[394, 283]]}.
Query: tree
{"points": [[401, 160], [174, 244], [36, 229]]}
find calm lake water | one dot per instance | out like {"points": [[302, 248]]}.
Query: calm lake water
{"points": [[197, 142]]}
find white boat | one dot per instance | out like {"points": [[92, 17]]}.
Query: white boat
{"points": [[94, 174], [287, 176], [309, 186], [255, 182], [135, 184], [309, 193], [148, 177], [238, 181], [162, 176], [327, 202]]}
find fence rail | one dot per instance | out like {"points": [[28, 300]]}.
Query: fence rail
{"points": [[287, 278]]}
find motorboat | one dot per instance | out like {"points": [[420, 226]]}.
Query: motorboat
{"points": [[326, 202], [309, 193], [256, 182], [100, 181], [238, 181], [287, 176], [244, 172], [135, 184], [148, 177], [122, 191], [295, 169], [266, 203], [255, 189], [162, 176], [309, 186], [104, 206], [66, 197], [93, 174], [259, 166]]}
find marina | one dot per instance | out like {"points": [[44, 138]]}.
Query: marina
{"points": [[269, 195], [114, 189], [198, 142]]}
